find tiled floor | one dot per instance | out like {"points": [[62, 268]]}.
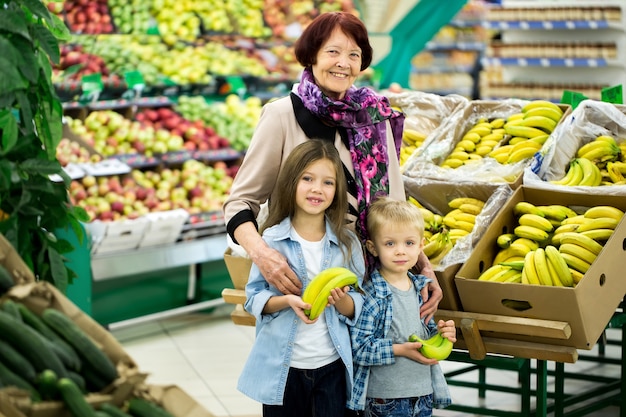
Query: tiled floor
{"points": [[203, 354]]}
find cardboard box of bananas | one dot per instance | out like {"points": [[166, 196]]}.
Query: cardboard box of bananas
{"points": [[591, 152], [455, 217], [550, 255], [491, 140]]}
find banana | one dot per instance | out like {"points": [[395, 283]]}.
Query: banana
{"points": [[541, 103], [603, 211], [598, 223], [523, 207], [412, 135], [615, 175], [530, 271], [471, 208], [573, 176], [531, 232], [528, 243], [555, 211], [591, 173], [460, 155], [427, 215], [497, 123], [556, 281], [576, 275], [413, 201], [540, 122], [515, 116], [559, 265], [436, 347], [482, 130], [598, 234], [565, 227], [607, 139], [465, 217], [458, 201], [541, 266], [456, 234], [433, 247], [492, 271], [319, 281], [583, 241], [512, 251], [577, 220], [516, 140], [578, 251], [511, 275], [505, 239], [535, 221], [451, 163], [339, 281], [463, 225], [518, 264], [575, 262], [523, 131], [523, 153], [466, 145], [597, 150], [472, 136], [548, 112]]}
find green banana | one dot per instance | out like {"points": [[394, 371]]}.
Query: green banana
{"points": [[436, 347], [505, 239], [339, 281]]}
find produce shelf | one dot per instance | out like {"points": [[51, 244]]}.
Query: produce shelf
{"points": [[551, 62], [551, 25]]}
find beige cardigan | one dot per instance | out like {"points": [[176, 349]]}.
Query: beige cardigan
{"points": [[276, 134]]}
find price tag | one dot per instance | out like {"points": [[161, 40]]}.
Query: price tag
{"points": [[135, 83], [573, 98], [92, 86], [613, 94], [237, 85]]}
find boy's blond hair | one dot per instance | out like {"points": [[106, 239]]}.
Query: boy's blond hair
{"points": [[385, 210]]}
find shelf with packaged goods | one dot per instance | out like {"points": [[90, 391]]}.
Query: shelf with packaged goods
{"points": [[543, 51]]}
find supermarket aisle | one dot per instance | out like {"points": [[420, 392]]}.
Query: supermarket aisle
{"points": [[203, 354]]}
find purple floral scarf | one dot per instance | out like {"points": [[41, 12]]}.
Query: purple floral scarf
{"points": [[363, 113]]}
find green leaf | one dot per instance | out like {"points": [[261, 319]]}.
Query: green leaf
{"points": [[58, 269], [80, 214], [59, 29], [63, 246], [26, 112], [11, 79], [41, 167], [47, 42], [8, 126], [38, 9], [26, 60], [14, 21]]}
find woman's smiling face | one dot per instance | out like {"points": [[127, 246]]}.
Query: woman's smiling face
{"points": [[338, 64]]}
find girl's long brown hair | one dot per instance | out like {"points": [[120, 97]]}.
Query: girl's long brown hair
{"points": [[296, 163]]}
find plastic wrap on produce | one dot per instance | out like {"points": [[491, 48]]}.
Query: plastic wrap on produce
{"points": [[435, 196], [588, 121], [427, 164]]}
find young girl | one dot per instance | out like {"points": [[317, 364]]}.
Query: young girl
{"points": [[297, 366], [392, 378]]}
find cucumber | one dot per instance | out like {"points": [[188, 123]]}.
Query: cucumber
{"points": [[31, 344], [47, 385], [82, 343], [141, 407], [15, 361], [64, 350], [93, 380], [113, 411], [6, 280], [10, 378], [99, 413], [10, 307], [78, 380], [74, 399]]}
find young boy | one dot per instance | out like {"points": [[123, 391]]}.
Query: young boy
{"points": [[391, 377]]}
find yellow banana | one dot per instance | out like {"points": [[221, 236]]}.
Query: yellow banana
{"points": [[523, 207], [598, 234], [523, 131], [565, 227], [556, 281], [465, 217], [541, 266], [576, 275], [452, 163], [528, 243], [540, 122], [466, 145], [531, 232], [615, 175], [497, 123], [515, 116], [591, 173], [523, 153], [535, 221], [573, 176], [427, 215], [577, 219], [319, 281], [413, 135], [492, 139], [548, 112], [471, 208], [598, 223], [578, 251], [463, 225], [583, 241], [575, 262], [458, 201], [516, 140], [517, 264], [530, 271], [460, 155], [555, 211], [505, 239], [413, 201], [339, 281], [436, 347], [473, 136], [434, 246], [596, 150], [482, 130], [559, 265], [512, 251], [603, 211], [541, 103], [512, 275]]}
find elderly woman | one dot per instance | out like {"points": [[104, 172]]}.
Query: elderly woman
{"points": [[325, 104]]}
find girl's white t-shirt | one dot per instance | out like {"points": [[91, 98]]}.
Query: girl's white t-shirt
{"points": [[312, 347]]}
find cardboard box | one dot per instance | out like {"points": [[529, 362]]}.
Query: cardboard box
{"points": [[117, 235], [163, 227], [176, 401], [587, 308], [435, 195], [238, 268], [11, 260]]}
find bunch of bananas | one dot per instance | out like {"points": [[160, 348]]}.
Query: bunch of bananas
{"points": [[598, 162], [556, 246], [527, 131], [477, 142], [317, 292], [442, 232], [411, 141], [435, 347]]}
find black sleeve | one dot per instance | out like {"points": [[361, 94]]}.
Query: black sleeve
{"points": [[240, 218]]}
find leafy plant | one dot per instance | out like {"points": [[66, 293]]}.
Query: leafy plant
{"points": [[33, 207]]}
